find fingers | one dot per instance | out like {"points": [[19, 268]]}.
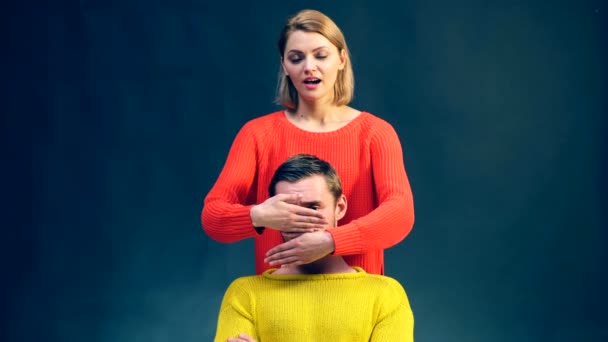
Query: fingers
{"points": [[280, 249], [308, 215], [294, 200], [246, 338], [281, 254], [286, 258], [284, 212], [241, 338], [286, 262], [283, 257], [306, 218], [308, 228], [309, 222], [303, 220], [289, 198]]}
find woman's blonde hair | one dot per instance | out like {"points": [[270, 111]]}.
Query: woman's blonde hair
{"points": [[315, 21]]}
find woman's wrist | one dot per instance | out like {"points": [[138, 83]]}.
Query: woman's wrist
{"points": [[259, 228]]}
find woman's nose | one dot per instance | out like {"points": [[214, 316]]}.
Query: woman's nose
{"points": [[309, 64]]}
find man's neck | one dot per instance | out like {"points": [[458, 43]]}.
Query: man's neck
{"points": [[328, 265]]}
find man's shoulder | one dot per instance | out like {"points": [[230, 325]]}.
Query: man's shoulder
{"points": [[385, 282], [242, 288], [389, 291], [250, 281]]}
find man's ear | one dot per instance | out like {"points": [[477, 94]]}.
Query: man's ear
{"points": [[341, 206]]}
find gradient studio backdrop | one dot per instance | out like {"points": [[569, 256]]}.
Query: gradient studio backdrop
{"points": [[131, 107]]}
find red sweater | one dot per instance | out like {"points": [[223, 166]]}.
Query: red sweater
{"points": [[367, 155]]}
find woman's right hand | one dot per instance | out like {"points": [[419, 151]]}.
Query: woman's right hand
{"points": [[282, 212]]}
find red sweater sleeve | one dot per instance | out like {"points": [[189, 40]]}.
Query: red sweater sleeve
{"points": [[393, 219], [225, 216]]}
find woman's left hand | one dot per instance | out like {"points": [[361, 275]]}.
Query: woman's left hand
{"points": [[301, 250]]}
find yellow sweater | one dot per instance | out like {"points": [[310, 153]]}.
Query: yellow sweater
{"points": [[316, 308]]}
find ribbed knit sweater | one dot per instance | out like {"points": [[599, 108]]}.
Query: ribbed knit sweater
{"points": [[368, 157], [322, 307]]}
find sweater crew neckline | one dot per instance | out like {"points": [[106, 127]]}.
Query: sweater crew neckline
{"points": [[269, 274], [349, 126]]}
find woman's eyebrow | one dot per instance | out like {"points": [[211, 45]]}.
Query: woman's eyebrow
{"points": [[315, 49]]}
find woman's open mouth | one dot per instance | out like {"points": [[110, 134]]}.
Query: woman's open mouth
{"points": [[312, 82]]}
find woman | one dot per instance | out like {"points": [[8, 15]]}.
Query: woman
{"points": [[316, 84]]}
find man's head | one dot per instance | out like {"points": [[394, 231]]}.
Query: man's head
{"points": [[316, 181]]}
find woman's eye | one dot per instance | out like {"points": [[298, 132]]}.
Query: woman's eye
{"points": [[322, 57], [295, 60]]}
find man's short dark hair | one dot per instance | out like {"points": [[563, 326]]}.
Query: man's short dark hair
{"points": [[301, 166]]}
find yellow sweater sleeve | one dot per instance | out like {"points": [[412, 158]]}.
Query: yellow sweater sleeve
{"points": [[396, 322], [236, 313]]}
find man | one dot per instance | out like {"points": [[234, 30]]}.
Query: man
{"points": [[326, 300]]}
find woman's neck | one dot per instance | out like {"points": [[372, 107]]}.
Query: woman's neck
{"points": [[319, 113], [321, 118]]}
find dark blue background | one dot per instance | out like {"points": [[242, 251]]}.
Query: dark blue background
{"points": [[119, 114]]}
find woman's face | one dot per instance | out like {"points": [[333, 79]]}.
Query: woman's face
{"points": [[312, 63]]}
